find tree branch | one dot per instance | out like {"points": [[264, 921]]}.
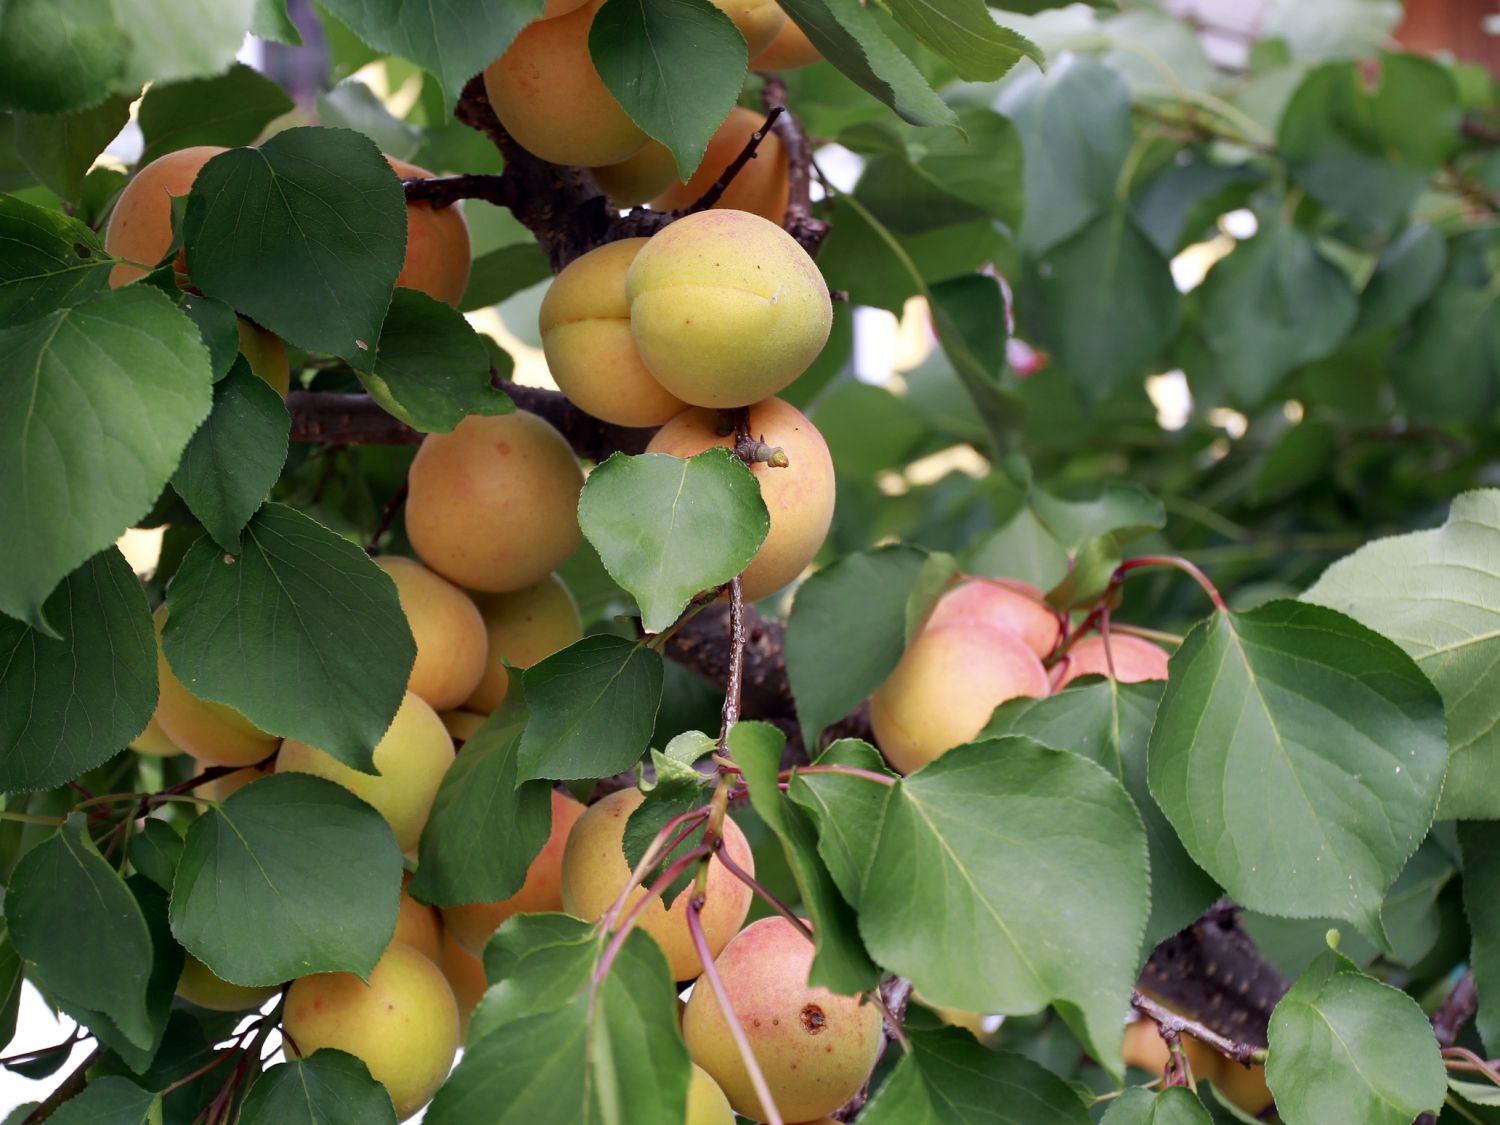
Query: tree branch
{"points": [[70, 1087], [799, 223], [1455, 1011]]}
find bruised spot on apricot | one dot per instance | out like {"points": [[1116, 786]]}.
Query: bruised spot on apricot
{"points": [[813, 1019]]}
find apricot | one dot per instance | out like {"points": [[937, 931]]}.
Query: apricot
{"points": [[706, 1103], [266, 354], [494, 504], [1135, 660], [215, 734], [1245, 1086], [222, 788], [462, 725], [198, 985], [419, 926], [1005, 607], [472, 924], [585, 325], [726, 308], [949, 681], [153, 741], [594, 871], [554, 8], [465, 974], [140, 226], [815, 1048], [637, 179], [789, 50], [403, 1025], [1145, 1049], [758, 21], [451, 643], [550, 98], [524, 626], [760, 187], [412, 757], [437, 244], [799, 495]]}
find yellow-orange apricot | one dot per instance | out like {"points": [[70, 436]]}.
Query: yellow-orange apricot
{"points": [[1135, 660], [215, 734], [494, 504], [1004, 606], [550, 98], [462, 725], [585, 326], [451, 643], [403, 1025], [757, 20], [789, 50], [799, 495], [222, 788], [594, 872], [437, 244], [199, 985], [815, 1048], [412, 758], [154, 741], [524, 626], [639, 178], [554, 8], [419, 925], [472, 924], [465, 974], [726, 308], [760, 187], [140, 226], [944, 689], [1145, 1049], [706, 1103], [1245, 1086], [266, 354]]}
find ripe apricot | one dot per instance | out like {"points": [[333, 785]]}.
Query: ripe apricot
{"points": [[637, 179], [462, 725], [472, 924], [1144, 1048], [437, 244], [760, 187], [154, 741], [465, 974], [815, 1048], [758, 21], [726, 308], [594, 872], [550, 98], [943, 691], [222, 788], [494, 504], [419, 926], [140, 226], [451, 642], [523, 626], [266, 354], [1003, 605], [585, 325], [412, 757], [403, 1025], [789, 50], [706, 1103], [1135, 660], [199, 985], [1245, 1086], [554, 8], [215, 734], [798, 495]]}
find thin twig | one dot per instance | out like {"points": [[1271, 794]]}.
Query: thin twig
{"points": [[1171, 1023], [759, 888], [387, 515], [799, 222], [1456, 1010], [70, 1086], [736, 166]]}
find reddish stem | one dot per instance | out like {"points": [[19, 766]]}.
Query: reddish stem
{"points": [[654, 851], [1183, 565], [627, 923], [771, 900], [848, 771]]}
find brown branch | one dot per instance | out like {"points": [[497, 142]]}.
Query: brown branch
{"points": [[799, 222], [1456, 1010], [70, 1087], [736, 166], [1173, 1026]]}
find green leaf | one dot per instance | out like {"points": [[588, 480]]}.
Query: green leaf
{"points": [[235, 457], [964, 33], [1176, 1105], [305, 234], [1102, 302], [1023, 548], [431, 369], [1345, 1047], [1075, 129], [271, 22], [502, 273], [1299, 756], [949, 1079], [80, 931], [1109, 723], [667, 528], [455, 40], [291, 875], [545, 1045], [326, 1088], [840, 963], [11, 976], [229, 109], [110, 1100], [50, 260], [1480, 842], [593, 707], [1271, 305], [1364, 138], [353, 105], [847, 631], [58, 148], [220, 330], [1107, 509], [849, 811], [301, 633], [72, 703], [988, 853], [849, 36], [1454, 333], [98, 402], [675, 66], [1437, 595], [155, 851], [484, 829], [1407, 272]]}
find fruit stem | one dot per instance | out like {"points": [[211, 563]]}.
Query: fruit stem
{"points": [[1181, 564], [658, 847], [848, 771], [681, 864], [747, 154], [1168, 1020], [31, 818], [771, 900], [711, 974]]}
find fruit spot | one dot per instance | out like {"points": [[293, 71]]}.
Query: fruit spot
{"points": [[813, 1019], [503, 447]]}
